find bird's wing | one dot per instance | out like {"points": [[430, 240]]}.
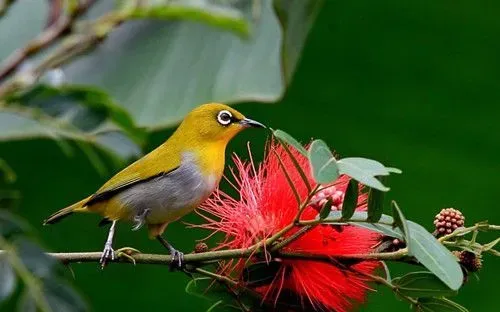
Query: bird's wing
{"points": [[136, 173]]}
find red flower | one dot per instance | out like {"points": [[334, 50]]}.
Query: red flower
{"points": [[266, 205]]}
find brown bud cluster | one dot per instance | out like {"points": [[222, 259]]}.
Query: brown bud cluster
{"points": [[470, 261], [200, 247], [448, 220]]}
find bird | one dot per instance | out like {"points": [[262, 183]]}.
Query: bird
{"points": [[168, 182]]}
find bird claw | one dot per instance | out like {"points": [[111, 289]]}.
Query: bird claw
{"points": [[107, 254], [127, 252], [177, 260], [140, 219]]}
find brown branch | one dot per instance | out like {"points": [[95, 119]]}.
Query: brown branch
{"points": [[56, 30]]}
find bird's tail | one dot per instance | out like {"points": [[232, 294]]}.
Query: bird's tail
{"points": [[61, 214]]}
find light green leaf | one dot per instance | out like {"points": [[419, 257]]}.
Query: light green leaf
{"points": [[401, 223], [384, 225], [288, 139], [422, 284], [438, 305], [178, 65], [369, 166], [323, 164], [210, 13], [350, 200], [375, 205], [8, 278], [434, 256], [358, 173]]}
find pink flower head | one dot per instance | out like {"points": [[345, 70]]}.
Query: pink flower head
{"points": [[266, 205]]}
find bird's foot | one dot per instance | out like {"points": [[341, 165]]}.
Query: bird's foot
{"points": [[127, 252], [140, 219], [177, 260], [107, 254]]}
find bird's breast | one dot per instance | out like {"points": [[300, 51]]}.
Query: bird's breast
{"points": [[171, 196]]}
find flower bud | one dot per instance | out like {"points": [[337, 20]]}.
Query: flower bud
{"points": [[200, 247], [448, 220]]}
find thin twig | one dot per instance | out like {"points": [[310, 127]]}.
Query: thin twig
{"points": [[44, 39]]}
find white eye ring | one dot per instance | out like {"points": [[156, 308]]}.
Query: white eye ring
{"points": [[224, 117]]}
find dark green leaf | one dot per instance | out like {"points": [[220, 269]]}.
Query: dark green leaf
{"points": [[350, 200], [375, 205], [62, 298], [434, 256], [296, 17], [383, 227], [7, 278], [438, 305], [422, 284], [261, 273], [323, 164], [10, 224], [35, 259], [325, 210], [358, 173], [26, 302], [288, 139], [401, 223]]}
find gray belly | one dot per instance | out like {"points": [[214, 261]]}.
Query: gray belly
{"points": [[171, 196]]}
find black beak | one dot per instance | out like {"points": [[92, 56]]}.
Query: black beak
{"points": [[251, 123]]}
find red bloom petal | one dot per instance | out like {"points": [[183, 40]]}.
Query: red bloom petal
{"points": [[267, 204]]}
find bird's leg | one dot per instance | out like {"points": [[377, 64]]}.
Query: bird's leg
{"points": [[140, 219], [177, 256], [108, 253]]}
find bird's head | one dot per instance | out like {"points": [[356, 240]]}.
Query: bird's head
{"points": [[215, 122]]}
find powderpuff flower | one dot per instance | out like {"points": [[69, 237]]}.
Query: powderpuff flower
{"points": [[267, 204]]}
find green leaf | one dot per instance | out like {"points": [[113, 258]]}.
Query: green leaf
{"points": [[8, 174], [326, 209], [62, 298], [8, 280], [288, 139], [358, 173], [401, 223], [179, 64], [350, 200], [375, 205], [358, 219], [434, 256], [214, 14], [261, 273], [370, 166], [323, 164], [422, 284], [297, 18], [35, 259], [439, 305]]}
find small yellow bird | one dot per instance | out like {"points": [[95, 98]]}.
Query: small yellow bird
{"points": [[170, 181]]}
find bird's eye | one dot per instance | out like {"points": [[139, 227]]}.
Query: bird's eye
{"points": [[224, 117]]}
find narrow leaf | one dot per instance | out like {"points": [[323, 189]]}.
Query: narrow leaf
{"points": [[350, 200], [323, 164], [375, 205], [422, 284], [434, 256], [401, 223], [326, 209], [439, 305], [8, 278], [360, 175], [384, 225], [387, 271], [288, 139]]}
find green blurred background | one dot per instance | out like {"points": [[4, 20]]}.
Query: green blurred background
{"points": [[413, 84]]}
